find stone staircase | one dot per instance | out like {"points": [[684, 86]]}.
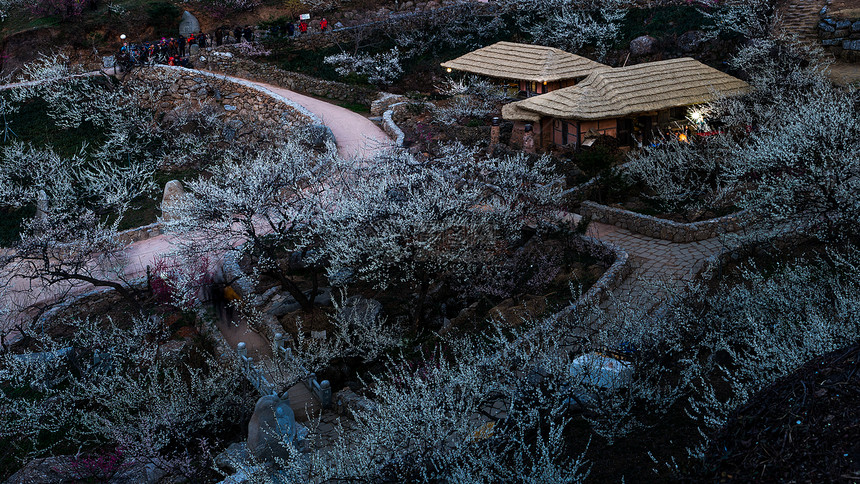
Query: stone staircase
{"points": [[801, 18]]}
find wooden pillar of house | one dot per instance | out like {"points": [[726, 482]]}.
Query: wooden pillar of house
{"points": [[545, 140]]}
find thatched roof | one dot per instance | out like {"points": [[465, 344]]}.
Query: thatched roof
{"points": [[653, 86], [507, 60], [513, 112]]}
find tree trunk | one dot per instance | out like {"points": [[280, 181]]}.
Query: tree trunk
{"points": [[422, 296]]}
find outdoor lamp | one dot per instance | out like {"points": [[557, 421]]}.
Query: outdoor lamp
{"points": [[122, 37], [449, 70]]}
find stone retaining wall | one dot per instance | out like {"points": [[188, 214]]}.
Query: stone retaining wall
{"points": [[840, 35], [237, 99], [224, 61], [611, 279], [137, 234], [660, 228]]}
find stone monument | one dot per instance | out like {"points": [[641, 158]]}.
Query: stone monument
{"points": [[173, 191], [272, 427], [188, 25]]}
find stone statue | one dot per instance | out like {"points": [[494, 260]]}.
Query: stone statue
{"points": [[272, 428]]}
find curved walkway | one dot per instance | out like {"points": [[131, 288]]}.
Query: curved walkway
{"points": [[659, 266], [356, 136]]}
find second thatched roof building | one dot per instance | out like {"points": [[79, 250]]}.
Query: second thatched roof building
{"points": [[534, 69], [629, 103]]}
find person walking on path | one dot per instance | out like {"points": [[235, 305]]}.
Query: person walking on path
{"points": [[291, 29], [323, 24], [303, 27]]}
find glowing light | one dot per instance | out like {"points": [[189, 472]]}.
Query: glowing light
{"points": [[122, 37], [698, 114], [682, 138], [449, 70]]}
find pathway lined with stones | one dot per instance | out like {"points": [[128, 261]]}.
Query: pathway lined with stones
{"points": [[658, 265]]}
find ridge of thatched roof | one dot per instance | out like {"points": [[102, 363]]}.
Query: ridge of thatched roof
{"points": [[641, 88], [508, 60]]}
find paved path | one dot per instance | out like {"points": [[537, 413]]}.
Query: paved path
{"points": [[658, 265], [356, 136]]}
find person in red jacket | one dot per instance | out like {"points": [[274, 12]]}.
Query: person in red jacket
{"points": [[323, 24], [303, 27]]}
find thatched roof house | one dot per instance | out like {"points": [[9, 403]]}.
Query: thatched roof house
{"points": [[544, 68], [643, 96], [653, 86]]}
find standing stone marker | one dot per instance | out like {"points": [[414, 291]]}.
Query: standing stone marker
{"points": [[189, 24], [173, 191]]}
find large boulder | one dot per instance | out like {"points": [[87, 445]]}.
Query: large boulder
{"points": [[690, 41], [173, 191], [272, 428], [643, 45], [188, 25]]}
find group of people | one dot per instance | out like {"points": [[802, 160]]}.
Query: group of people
{"points": [[175, 51], [291, 29], [171, 51]]}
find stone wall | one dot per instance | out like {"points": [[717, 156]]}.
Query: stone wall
{"points": [[611, 279], [840, 34], [235, 98], [663, 229], [225, 62], [137, 234]]}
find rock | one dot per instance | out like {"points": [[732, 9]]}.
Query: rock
{"points": [[324, 297], [234, 454], [827, 42], [272, 427], [228, 107], [188, 25], [194, 49], [44, 471], [139, 473], [173, 191], [843, 24], [318, 135], [855, 27], [347, 400], [283, 307], [826, 27], [829, 21], [851, 45], [358, 308], [62, 470], [690, 41], [643, 45]]}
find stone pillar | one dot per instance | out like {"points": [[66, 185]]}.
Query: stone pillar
{"points": [[173, 191], [494, 134], [528, 139]]}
